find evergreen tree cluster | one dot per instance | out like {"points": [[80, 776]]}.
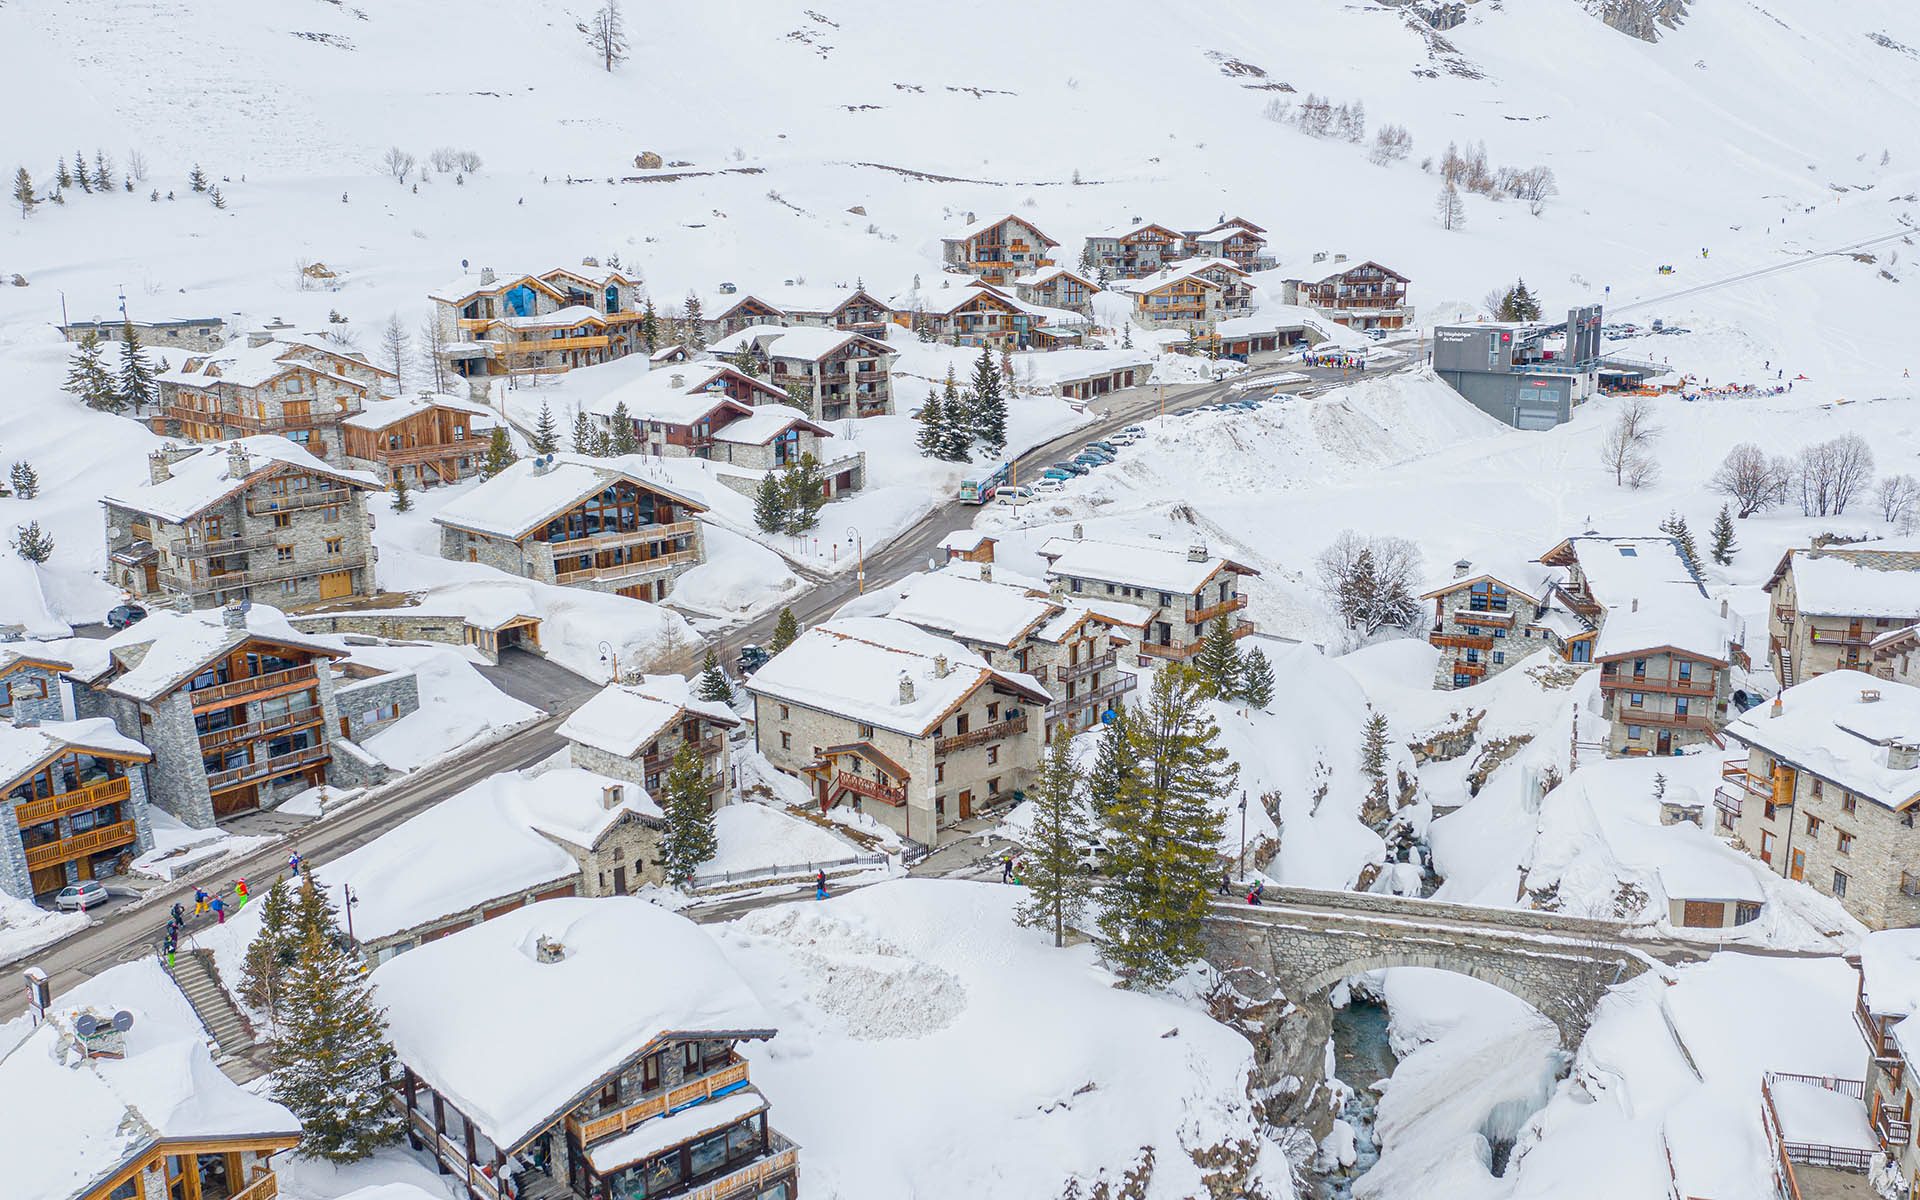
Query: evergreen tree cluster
{"points": [[1675, 527], [106, 389], [500, 454], [789, 500], [952, 420], [713, 685], [26, 480], [1224, 673], [785, 630], [1518, 304]]}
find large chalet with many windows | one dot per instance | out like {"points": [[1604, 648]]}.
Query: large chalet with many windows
{"points": [[1486, 617], [998, 250], [541, 324], [1057, 287], [850, 310], [1181, 591], [1235, 239], [300, 387], [258, 519], [427, 440], [831, 373], [576, 520], [76, 803], [610, 1068], [1363, 296], [1833, 607], [1195, 293], [1133, 252]]}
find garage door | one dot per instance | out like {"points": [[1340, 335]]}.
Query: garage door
{"points": [[1536, 416], [336, 583], [1703, 914]]}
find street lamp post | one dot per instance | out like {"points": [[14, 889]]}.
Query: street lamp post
{"points": [[609, 657], [1243, 833], [346, 890], [860, 564]]}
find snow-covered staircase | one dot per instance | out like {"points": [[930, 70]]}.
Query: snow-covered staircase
{"points": [[1786, 667], [199, 981]]}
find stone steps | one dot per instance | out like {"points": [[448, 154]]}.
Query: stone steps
{"points": [[199, 982]]}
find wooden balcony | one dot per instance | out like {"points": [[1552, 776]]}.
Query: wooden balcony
{"points": [[293, 501], [407, 455], [286, 421], [1106, 691], [208, 696], [107, 837], [1171, 653], [107, 791], [215, 547], [739, 1183], [860, 785], [1201, 615], [1458, 641], [267, 1187], [301, 718], [228, 580], [1628, 715], [707, 748], [1611, 681], [634, 568], [540, 345], [982, 735], [615, 1123], [627, 537], [1066, 672], [1892, 1126], [1840, 637], [1467, 616], [1727, 801], [1472, 670], [248, 772], [1879, 1039], [1734, 770]]}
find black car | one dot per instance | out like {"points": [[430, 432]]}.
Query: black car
{"points": [[125, 615], [752, 658]]}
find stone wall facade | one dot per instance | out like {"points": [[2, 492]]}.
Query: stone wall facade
{"points": [[16, 879], [370, 705], [1687, 717]]}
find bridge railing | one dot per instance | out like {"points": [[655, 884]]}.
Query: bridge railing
{"points": [[1416, 907]]}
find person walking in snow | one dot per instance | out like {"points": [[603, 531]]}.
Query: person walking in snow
{"points": [[172, 942], [179, 913], [240, 889], [1226, 882], [1006, 868], [219, 910], [820, 887], [1259, 888], [293, 864], [199, 902]]}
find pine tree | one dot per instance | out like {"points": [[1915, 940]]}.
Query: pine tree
{"points": [[804, 488], [26, 480], [1723, 543], [102, 172], [500, 454], [332, 1059], [545, 438], [932, 438], [1373, 757], [313, 912], [770, 504], [197, 179], [987, 404], [1166, 827], [216, 197], [649, 326], [31, 544], [1218, 662], [956, 422], [23, 192], [1113, 765], [402, 495], [1057, 889], [1256, 680], [713, 683], [689, 840], [88, 377], [583, 433], [693, 331], [135, 383], [1675, 527], [272, 951], [624, 439], [62, 178], [80, 174], [743, 360], [602, 444], [785, 630]]}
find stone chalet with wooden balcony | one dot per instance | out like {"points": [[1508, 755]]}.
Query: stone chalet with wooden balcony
{"points": [[300, 387], [537, 324], [1194, 293], [1235, 239], [1057, 287], [542, 833], [998, 250], [258, 519], [1133, 252], [1487, 616], [1016, 626], [1828, 605], [239, 710], [595, 1054], [849, 310], [1828, 789], [974, 312], [428, 439], [1888, 962], [1666, 651], [30, 683], [906, 726], [578, 521], [76, 803], [1181, 590], [830, 373], [140, 1113], [186, 333], [632, 730], [1363, 296]]}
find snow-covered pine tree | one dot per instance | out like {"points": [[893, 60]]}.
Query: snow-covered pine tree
{"points": [[81, 175], [693, 330], [88, 377], [1057, 889], [1218, 662], [1166, 830], [743, 361], [23, 192], [649, 326], [500, 454], [197, 179], [689, 839], [1675, 527], [625, 441], [956, 422], [216, 197], [770, 504], [1256, 680], [713, 684], [931, 440], [135, 382], [1113, 764], [30, 543], [62, 178], [26, 480], [272, 950], [313, 911], [546, 439], [987, 403], [102, 172], [1373, 758], [1723, 544], [583, 433], [785, 630], [602, 444], [402, 494], [332, 1059]]}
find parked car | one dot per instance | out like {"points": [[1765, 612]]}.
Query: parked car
{"points": [[1135, 430], [1094, 857], [1048, 485], [90, 894], [124, 615], [1378, 335], [1071, 468], [1097, 457], [1107, 446], [1012, 495], [1056, 475], [1125, 439], [751, 659]]}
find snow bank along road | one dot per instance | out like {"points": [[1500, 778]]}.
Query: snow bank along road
{"points": [[123, 935]]}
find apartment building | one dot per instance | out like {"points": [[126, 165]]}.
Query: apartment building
{"points": [[831, 373], [1831, 605], [1133, 251], [850, 310], [1365, 295], [539, 324], [75, 804], [298, 386], [1057, 287], [188, 333], [1181, 591], [1194, 293], [1486, 617]]}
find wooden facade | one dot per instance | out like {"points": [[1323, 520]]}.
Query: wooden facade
{"points": [[304, 396], [236, 1168], [74, 815], [1364, 296], [258, 714], [999, 251], [433, 443]]}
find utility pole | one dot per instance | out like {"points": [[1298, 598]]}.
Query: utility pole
{"points": [[346, 889], [1243, 833]]}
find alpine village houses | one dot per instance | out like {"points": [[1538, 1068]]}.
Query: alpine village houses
{"points": [[830, 373], [1835, 607], [76, 803], [428, 439], [632, 731], [297, 386], [998, 250], [539, 324], [1195, 294], [900, 724], [1143, 249], [1363, 296], [850, 310], [1181, 591], [575, 1098], [257, 519], [1485, 619], [576, 520]]}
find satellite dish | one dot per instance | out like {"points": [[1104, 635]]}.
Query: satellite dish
{"points": [[123, 1020], [86, 1025]]}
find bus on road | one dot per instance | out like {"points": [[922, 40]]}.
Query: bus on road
{"points": [[979, 487]]}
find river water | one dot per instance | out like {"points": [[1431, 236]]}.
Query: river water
{"points": [[1361, 1056]]}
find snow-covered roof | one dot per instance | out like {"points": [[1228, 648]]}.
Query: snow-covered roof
{"points": [[965, 541], [246, 365], [809, 342], [530, 1038], [24, 748], [1046, 275], [75, 1121], [676, 1128], [21, 654], [655, 396], [1221, 233], [496, 838], [1124, 231], [979, 227], [168, 648], [624, 717], [559, 318], [1515, 572], [1271, 319], [378, 414], [1830, 727], [522, 498], [1856, 583], [766, 422], [203, 478], [1160, 568], [1890, 972], [968, 609], [1076, 363], [1202, 270], [1709, 877], [948, 300], [803, 299], [1652, 596], [853, 667]]}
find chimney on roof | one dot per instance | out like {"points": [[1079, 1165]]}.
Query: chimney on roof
{"points": [[159, 466], [611, 795], [1460, 568], [182, 602], [1779, 706], [1078, 531], [546, 950], [906, 688], [486, 275], [1903, 756], [986, 572], [1197, 552], [238, 464], [258, 338], [1869, 695], [940, 667], [678, 380], [233, 614]]}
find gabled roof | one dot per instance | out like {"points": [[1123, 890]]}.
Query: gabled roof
{"points": [[467, 287], [1350, 267], [21, 655], [1122, 233], [1839, 726], [971, 610], [948, 301], [380, 414], [166, 649], [810, 343], [991, 223], [24, 749], [1653, 598], [522, 498], [767, 422], [654, 396], [1195, 269], [1228, 231], [244, 365], [201, 479], [1158, 567], [1046, 275], [623, 718], [1521, 577], [1852, 581]]}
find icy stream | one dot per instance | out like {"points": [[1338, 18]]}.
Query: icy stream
{"points": [[1362, 1055]]}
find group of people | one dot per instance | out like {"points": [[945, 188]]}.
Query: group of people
{"points": [[205, 902], [1345, 362], [1255, 894]]}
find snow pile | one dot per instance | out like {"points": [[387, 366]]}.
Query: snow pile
{"points": [[757, 837], [457, 705], [26, 927]]}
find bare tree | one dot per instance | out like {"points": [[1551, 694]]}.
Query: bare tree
{"points": [[137, 166], [398, 163], [441, 159], [1833, 474], [1536, 186], [1627, 450], [395, 345], [1752, 479], [607, 34], [1370, 581], [433, 350], [1449, 207], [1391, 144], [1897, 496], [466, 161]]}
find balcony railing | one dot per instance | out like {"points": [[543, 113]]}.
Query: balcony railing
{"points": [[1106, 691], [982, 735], [1199, 615], [639, 566], [1893, 1127], [1839, 637], [700, 1089], [627, 537], [1469, 616], [215, 547], [1456, 641], [754, 1173], [872, 789], [427, 453], [107, 837], [538, 345], [1880, 1046], [267, 1187], [248, 772], [1727, 801], [292, 501], [298, 569], [1667, 685], [252, 683], [1628, 715], [300, 718], [107, 791], [707, 747], [1065, 672]]}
